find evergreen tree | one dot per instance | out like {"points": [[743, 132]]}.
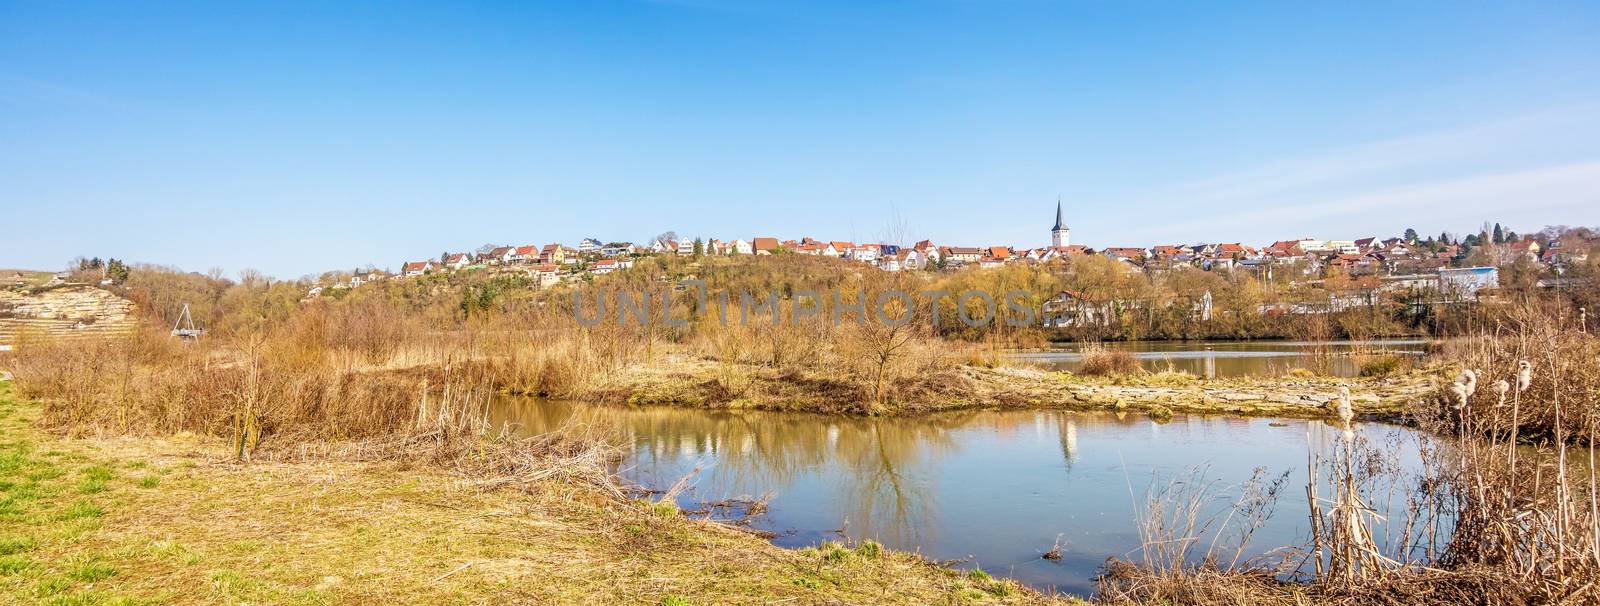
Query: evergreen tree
{"points": [[1410, 236], [116, 271], [699, 248], [1499, 235], [1444, 238]]}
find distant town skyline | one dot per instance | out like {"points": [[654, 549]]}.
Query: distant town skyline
{"points": [[297, 139]]}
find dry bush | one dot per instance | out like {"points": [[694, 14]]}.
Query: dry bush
{"points": [[1193, 534], [1532, 513], [1101, 361], [1383, 365]]}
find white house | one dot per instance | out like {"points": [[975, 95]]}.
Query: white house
{"points": [[914, 259], [546, 273], [739, 247], [457, 260], [524, 254], [619, 249], [417, 268], [500, 255], [867, 253], [1467, 281], [588, 246]]}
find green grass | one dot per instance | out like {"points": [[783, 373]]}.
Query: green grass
{"points": [[14, 564], [15, 545], [81, 510], [93, 479], [149, 481], [91, 570]]}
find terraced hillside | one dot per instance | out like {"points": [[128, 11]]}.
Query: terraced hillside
{"points": [[64, 312]]}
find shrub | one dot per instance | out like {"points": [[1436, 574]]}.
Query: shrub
{"points": [[869, 549], [1160, 414], [1382, 366], [1100, 362]]}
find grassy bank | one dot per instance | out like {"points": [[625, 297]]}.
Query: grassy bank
{"points": [[177, 520], [684, 380]]}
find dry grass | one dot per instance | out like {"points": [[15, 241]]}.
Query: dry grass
{"points": [[1101, 361], [1503, 511], [178, 521]]}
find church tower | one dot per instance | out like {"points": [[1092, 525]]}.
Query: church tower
{"points": [[1060, 236]]}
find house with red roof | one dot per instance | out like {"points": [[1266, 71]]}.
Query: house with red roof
{"points": [[417, 268], [500, 255], [524, 254], [457, 260], [552, 254], [965, 254]]}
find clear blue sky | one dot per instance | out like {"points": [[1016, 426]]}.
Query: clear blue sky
{"points": [[301, 137]]}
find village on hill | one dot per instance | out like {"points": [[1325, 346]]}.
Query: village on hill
{"points": [[1466, 264]]}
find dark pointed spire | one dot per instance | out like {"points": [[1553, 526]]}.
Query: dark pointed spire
{"points": [[1061, 220]]}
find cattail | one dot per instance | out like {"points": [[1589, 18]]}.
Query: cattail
{"points": [[1500, 388], [1345, 413], [1460, 392], [1524, 375], [1468, 379]]}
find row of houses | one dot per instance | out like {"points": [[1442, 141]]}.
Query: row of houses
{"points": [[1309, 258], [1314, 258]]}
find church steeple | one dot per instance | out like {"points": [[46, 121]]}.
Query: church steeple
{"points": [[1060, 236]]}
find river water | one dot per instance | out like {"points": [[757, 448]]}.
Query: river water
{"points": [[996, 488], [1212, 359]]}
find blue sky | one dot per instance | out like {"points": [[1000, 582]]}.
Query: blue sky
{"points": [[295, 138]]}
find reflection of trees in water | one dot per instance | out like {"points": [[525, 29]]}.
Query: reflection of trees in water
{"points": [[879, 469], [1069, 440], [879, 473]]}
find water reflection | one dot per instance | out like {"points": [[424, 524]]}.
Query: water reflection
{"points": [[1213, 359], [997, 487]]}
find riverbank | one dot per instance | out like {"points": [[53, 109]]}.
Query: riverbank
{"points": [[176, 520], [682, 380]]}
